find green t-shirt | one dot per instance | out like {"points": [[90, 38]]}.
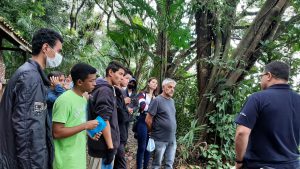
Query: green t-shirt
{"points": [[70, 152]]}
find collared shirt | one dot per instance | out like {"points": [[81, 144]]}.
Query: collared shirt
{"points": [[273, 115]]}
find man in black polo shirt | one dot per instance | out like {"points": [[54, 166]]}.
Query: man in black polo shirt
{"points": [[268, 132]]}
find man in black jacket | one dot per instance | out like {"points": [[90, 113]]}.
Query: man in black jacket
{"points": [[124, 114], [103, 103], [25, 128]]}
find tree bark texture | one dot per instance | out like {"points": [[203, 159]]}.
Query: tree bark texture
{"points": [[213, 78]]}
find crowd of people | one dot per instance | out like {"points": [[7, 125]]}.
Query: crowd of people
{"points": [[45, 121]]}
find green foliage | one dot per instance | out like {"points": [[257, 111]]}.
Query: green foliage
{"points": [[131, 37], [186, 144], [218, 152], [186, 104], [80, 45]]}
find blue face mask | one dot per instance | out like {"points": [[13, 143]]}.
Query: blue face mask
{"points": [[71, 85], [54, 62]]}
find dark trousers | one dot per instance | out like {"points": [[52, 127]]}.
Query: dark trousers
{"points": [[142, 156], [253, 165], [120, 160]]}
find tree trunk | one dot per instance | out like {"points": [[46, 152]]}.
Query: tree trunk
{"points": [[263, 28], [214, 79], [204, 40], [162, 45], [72, 16]]}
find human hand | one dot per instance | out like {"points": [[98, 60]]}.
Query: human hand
{"points": [[89, 125], [96, 136], [127, 100], [54, 80], [86, 95], [109, 156], [130, 110]]}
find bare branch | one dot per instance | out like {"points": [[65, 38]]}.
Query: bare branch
{"points": [[126, 12], [97, 2], [116, 16], [244, 12], [76, 14], [71, 15], [191, 64], [108, 19], [241, 27], [248, 13], [181, 77], [183, 54], [285, 24]]}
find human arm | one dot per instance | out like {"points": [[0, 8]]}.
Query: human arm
{"points": [[57, 86], [59, 89], [148, 120], [60, 131], [241, 142], [151, 113], [107, 135], [142, 102], [24, 87], [62, 111], [103, 104], [246, 120]]}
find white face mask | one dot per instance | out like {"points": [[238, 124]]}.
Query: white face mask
{"points": [[54, 62]]}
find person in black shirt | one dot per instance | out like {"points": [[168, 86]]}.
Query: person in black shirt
{"points": [[124, 114], [268, 132], [102, 102]]}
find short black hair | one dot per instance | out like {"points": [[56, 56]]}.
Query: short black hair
{"points": [[128, 72], [278, 69], [55, 74], [43, 36], [82, 71], [114, 66]]}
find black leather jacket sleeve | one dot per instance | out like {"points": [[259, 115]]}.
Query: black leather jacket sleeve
{"points": [[22, 109]]}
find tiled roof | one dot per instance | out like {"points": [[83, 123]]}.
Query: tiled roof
{"points": [[13, 34]]}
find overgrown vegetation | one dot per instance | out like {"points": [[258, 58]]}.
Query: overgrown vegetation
{"points": [[214, 49]]}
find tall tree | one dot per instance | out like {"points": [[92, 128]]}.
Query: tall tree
{"points": [[213, 78]]}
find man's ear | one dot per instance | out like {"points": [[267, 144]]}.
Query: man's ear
{"points": [[44, 47], [270, 75], [79, 82], [110, 73]]}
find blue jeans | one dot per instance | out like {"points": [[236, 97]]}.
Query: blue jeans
{"points": [[142, 154], [164, 150]]}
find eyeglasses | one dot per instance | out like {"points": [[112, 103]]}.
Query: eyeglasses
{"points": [[274, 76], [261, 75]]}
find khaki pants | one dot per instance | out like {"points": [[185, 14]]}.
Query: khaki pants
{"points": [[98, 163]]}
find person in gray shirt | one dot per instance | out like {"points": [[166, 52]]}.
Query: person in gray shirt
{"points": [[161, 121]]}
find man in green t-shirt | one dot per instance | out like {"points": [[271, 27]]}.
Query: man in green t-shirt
{"points": [[69, 120]]}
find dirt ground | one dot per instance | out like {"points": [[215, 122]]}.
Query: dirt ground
{"points": [[131, 148]]}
